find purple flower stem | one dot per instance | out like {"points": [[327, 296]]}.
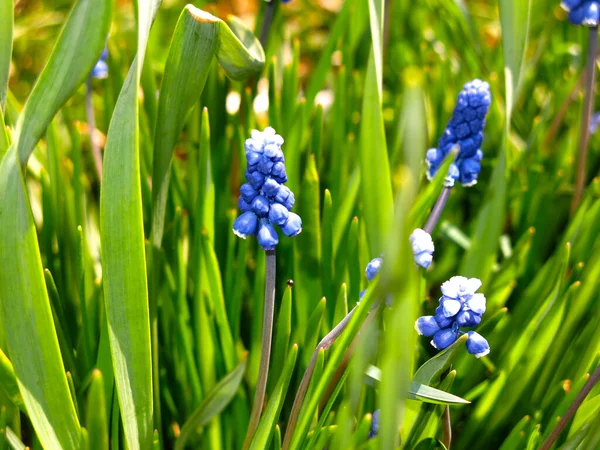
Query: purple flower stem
{"points": [[446, 428], [436, 212], [588, 104], [564, 420], [265, 353], [325, 343], [266, 23], [91, 121]]}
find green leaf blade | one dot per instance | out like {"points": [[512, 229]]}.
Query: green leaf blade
{"points": [[25, 306], [123, 251], [6, 32], [75, 54]]}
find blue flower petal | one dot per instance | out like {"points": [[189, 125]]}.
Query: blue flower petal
{"points": [[267, 236], [373, 268], [293, 226], [467, 319], [444, 338], [278, 214], [427, 326], [477, 345], [246, 224]]}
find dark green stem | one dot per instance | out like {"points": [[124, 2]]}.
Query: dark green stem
{"points": [[266, 23], [588, 105], [265, 353], [437, 210]]}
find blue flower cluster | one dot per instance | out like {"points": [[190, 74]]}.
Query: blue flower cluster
{"points": [[464, 130], [422, 247], [100, 70], [583, 12], [264, 200], [460, 307]]}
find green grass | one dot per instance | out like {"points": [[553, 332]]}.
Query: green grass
{"points": [[131, 316]]}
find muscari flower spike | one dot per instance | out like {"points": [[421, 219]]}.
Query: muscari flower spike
{"points": [[583, 12], [460, 307], [100, 70], [464, 130], [422, 247], [264, 200]]}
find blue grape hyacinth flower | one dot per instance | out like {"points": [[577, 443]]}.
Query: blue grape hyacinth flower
{"points": [[374, 431], [464, 131], [100, 70], [265, 202], [459, 307], [583, 12], [373, 268], [594, 122], [422, 247]]}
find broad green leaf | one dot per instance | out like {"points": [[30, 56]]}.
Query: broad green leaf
{"points": [[376, 183], [514, 20], [32, 341], [401, 282], [269, 418], [97, 421], [215, 401], [239, 53], [428, 394], [123, 252], [191, 54], [8, 381], [198, 38], [76, 51], [430, 372], [25, 306], [422, 422], [422, 392], [6, 38]]}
